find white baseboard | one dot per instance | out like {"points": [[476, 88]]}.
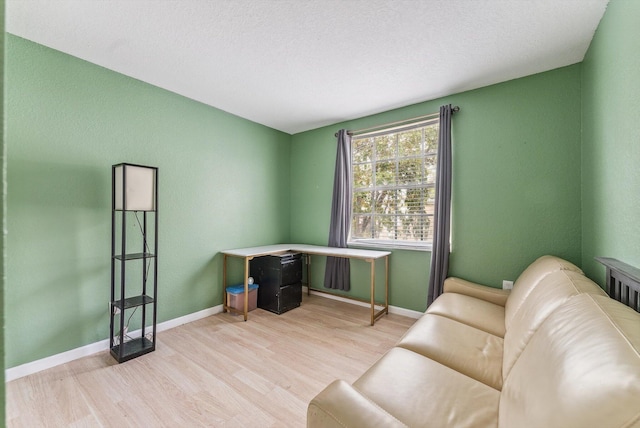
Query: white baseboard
{"points": [[54, 360], [93, 348], [189, 318], [392, 309], [103, 345], [409, 313]]}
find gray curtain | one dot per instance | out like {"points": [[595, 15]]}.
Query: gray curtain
{"points": [[442, 209], [337, 272]]}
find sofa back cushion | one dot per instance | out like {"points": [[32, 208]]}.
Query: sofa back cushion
{"points": [[529, 279], [548, 294], [581, 368]]}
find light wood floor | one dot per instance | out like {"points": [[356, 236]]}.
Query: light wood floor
{"points": [[218, 371]]}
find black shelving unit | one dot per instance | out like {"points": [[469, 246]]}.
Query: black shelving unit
{"points": [[134, 202]]}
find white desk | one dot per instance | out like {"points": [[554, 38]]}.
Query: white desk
{"points": [[367, 255]]}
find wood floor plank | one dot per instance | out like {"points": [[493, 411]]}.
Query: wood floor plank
{"points": [[218, 371]]}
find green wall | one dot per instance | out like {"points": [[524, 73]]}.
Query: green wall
{"points": [[3, 164], [516, 188], [611, 140], [68, 121]]}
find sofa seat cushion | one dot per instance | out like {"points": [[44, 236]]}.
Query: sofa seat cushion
{"points": [[466, 349], [421, 392], [471, 311]]}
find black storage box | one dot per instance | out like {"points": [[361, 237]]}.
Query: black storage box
{"points": [[280, 279]]}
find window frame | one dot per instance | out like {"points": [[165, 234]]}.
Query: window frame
{"points": [[425, 245]]}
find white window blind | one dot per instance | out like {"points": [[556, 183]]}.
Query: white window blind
{"points": [[394, 173]]}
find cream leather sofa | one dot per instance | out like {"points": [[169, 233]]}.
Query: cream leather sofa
{"points": [[555, 352]]}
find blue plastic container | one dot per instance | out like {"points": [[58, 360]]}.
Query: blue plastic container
{"points": [[235, 297]]}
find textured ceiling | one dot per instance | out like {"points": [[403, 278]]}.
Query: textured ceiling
{"points": [[296, 65]]}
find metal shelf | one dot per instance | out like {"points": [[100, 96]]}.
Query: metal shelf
{"points": [[132, 349], [134, 256], [132, 302]]}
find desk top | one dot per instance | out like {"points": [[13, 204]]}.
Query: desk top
{"points": [[353, 253]]}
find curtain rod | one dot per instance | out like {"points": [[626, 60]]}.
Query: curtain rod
{"points": [[388, 125]]}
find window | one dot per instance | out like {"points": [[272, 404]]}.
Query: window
{"points": [[394, 173]]}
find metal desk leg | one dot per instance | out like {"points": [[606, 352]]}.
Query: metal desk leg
{"points": [[308, 260], [386, 284], [385, 309], [373, 289], [224, 283], [246, 286]]}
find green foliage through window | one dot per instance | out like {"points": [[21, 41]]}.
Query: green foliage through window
{"points": [[394, 176]]}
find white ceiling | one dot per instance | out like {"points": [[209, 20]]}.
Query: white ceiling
{"points": [[296, 65]]}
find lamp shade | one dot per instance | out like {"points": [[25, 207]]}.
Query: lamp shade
{"points": [[135, 187]]}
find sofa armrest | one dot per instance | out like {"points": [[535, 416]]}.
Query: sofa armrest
{"points": [[341, 405], [479, 291]]}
